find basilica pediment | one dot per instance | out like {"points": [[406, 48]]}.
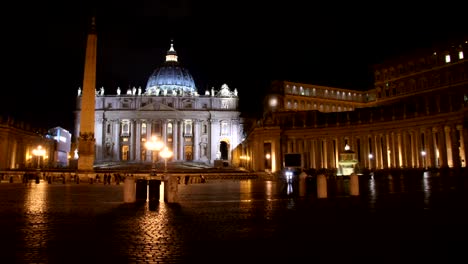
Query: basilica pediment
{"points": [[156, 106]]}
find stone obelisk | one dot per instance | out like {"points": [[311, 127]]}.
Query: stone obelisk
{"points": [[86, 140]]}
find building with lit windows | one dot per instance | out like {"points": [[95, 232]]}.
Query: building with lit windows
{"points": [[23, 146], [195, 127], [416, 116]]}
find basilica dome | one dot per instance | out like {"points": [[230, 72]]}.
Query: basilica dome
{"points": [[170, 78]]}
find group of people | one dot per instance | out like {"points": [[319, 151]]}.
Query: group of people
{"points": [[108, 178]]}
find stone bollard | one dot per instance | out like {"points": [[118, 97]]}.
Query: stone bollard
{"points": [[302, 184], [141, 190], [321, 186], [354, 184], [129, 190], [153, 190], [170, 189]]}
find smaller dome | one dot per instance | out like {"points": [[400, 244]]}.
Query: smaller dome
{"points": [[170, 77]]}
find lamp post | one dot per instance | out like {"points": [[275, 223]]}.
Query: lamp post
{"points": [[423, 154], [154, 145], [267, 162], [165, 154], [370, 160], [39, 152]]}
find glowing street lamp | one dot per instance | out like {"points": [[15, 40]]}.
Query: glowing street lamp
{"points": [[165, 154], [423, 154], [370, 160], [39, 152], [154, 145]]}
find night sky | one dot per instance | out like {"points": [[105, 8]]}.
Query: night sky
{"points": [[243, 44]]}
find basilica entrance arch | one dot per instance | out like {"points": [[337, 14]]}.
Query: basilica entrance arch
{"points": [[224, 149]]}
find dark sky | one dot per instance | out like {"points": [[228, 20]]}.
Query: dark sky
{"points": [[243, 44]]}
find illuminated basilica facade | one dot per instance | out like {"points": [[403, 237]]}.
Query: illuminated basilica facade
{"points": [[416, 116], [195, 127]]}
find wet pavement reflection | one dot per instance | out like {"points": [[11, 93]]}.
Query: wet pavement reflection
{"points": [[394, 219]]}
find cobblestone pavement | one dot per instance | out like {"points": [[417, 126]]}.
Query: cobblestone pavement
{"points": [[229, 221]]}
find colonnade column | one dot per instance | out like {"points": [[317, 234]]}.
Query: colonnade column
{"points": [[442, 147], [456, 161], [386, 151], [430, 149], [448, 145], [324, 153], [377, 153], [313, 154], [463, 144], [399, 149]]}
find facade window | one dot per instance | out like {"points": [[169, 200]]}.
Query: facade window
{"points": [[288, 105], [108, 128], [204, 128], [447, 58], [224, 128], [188, 127], [125, 127], [143, 129], [460, 55]]}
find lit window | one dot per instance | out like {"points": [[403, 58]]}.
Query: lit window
{"points": [[447, 58], [460, 55], [224, 128], [169, 128], [188, 127], [143, 128]]}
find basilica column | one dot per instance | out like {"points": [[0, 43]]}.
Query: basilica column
{"points": [[434, 142], [196, 140], [132, 140], [138, 140], [213, 136], [149, 134], [181, 140], [99, 136], [116, 151], [175, 138], [234, 133]]}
